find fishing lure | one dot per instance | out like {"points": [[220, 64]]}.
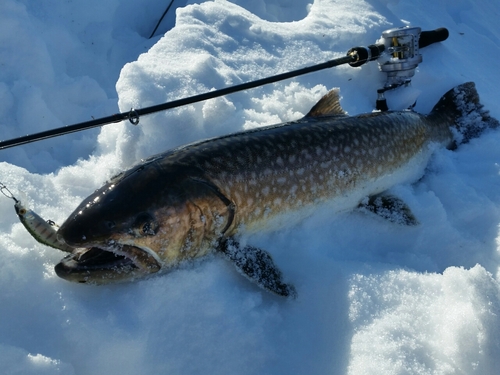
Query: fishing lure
{"points": [[43, 231]]}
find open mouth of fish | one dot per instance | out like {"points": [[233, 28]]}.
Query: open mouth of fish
{"points": [[112, 262]]}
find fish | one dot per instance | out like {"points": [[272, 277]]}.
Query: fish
{"points": [[201, 198]]}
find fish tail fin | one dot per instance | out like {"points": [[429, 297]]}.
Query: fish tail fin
{"points": [[462, 107]]}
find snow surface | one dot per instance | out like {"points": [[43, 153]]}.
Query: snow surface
{"points": [[374, 298]]}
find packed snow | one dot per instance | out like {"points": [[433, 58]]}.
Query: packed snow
{"points": [[373, 297]]}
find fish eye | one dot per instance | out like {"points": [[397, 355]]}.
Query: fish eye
{"points": [[148, 229], [146, 225]]}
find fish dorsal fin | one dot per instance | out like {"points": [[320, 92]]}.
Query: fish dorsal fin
{"points": [[328, 105]]}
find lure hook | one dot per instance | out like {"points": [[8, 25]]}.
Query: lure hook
{"points": [[5, 191]]}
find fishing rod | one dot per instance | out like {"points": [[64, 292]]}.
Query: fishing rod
{"points": [[397, 54]]}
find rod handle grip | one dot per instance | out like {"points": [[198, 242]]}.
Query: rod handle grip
{"points": [[434, 36]]}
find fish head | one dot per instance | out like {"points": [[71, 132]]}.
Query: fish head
{"points": [[145, 220]]}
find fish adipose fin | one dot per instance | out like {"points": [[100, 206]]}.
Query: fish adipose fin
{"points": [[390, 208], [470, 118], [257, 265], [328, 105]]}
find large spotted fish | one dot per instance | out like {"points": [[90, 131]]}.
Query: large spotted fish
{"points": [[197, 199]]}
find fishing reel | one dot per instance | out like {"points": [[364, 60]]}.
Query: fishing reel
{"points": [[399, 61], [397, 55]]}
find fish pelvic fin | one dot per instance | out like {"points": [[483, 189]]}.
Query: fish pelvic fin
{"points": [[328, 105], [462, 106], [390, 208], [257, 265]]}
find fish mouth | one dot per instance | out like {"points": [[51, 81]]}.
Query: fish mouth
{"points": [[107, 264]]}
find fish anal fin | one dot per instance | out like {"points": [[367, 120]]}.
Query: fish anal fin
{"points": [[390, 208], [328, 105], [257, 265]]}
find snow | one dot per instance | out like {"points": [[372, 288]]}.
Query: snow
{"points": [[374, 297]]}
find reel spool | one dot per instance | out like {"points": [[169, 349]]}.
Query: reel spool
{"points": [[401, 56]]}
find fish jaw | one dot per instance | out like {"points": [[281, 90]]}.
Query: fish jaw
{"points": [[108, 264]]}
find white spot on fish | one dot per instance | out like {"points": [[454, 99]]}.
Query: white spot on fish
{"points": [[281, 180], [237, 197]]}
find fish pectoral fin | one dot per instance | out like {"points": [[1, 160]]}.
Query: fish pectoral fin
{"points": [[257, 265], [390, 208]]}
